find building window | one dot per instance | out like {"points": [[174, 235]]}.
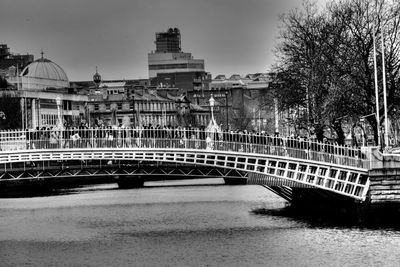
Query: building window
{"points": [[107, 106], [175, 66], [96, 106], [119, 106]]}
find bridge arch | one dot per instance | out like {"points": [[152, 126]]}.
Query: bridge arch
{"points": [[261, 168]]}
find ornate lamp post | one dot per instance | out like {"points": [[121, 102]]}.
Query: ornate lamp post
{"points": [[212, 129], [60, 121], [212, 103], [133, 108], [97, 81], [58, 102], [226, 110]]}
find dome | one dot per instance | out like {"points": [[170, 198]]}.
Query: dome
{"points": [[97, 78], [42, 74]]}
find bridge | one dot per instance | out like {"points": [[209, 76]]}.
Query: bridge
{"points": [[286, 166]]}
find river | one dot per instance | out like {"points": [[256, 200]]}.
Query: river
{"points": [[202, 224]]}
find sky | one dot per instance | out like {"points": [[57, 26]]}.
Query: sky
{"points": [[232, 36]]}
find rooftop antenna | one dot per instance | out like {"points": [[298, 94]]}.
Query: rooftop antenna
{"points": [[42, 53]]}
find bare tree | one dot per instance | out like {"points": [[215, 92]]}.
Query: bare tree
{"points": [[330, 56]]}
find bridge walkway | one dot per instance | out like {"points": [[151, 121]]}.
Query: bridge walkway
{"points": [[338, 169]]}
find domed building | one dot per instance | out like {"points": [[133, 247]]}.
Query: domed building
{"points": [[42, 74], [45, 96]]}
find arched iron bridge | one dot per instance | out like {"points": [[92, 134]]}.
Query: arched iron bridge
{"points": [[274, 162]]}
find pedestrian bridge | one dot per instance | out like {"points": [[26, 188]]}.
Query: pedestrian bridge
{"points": [[274, 162]]}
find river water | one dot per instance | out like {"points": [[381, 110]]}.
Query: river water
{"points": [[207, 224]]}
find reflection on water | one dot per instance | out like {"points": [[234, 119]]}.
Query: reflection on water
{"points": [[209, 224]]}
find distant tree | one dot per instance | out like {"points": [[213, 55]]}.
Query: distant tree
{"points": [[287, 88]]}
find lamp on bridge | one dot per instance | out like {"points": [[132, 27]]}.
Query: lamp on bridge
{"points": [[58, 102], [212, 103], [135, 112], [60, 121], [212, 129], [226, 110]]}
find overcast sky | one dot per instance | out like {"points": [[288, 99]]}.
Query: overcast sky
{"points": [[232, 36]]}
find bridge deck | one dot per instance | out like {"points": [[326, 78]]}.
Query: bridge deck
{"points": [[339, 169], [184, 138]]}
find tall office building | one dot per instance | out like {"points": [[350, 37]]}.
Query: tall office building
{"points": [[168, 42], [169, 58]]}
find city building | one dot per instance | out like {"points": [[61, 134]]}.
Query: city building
{"points": [[186, 81], [11, 63], [168, 56], [170, 67], [123, 104], [43, 92], [41, 95], [117, 104], [241, 102], [136, 103], [43, 74]]}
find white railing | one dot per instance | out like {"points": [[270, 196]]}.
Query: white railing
{"points": [[186, 138]]}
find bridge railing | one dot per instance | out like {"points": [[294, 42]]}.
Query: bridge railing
{"points": [[192, 138]]}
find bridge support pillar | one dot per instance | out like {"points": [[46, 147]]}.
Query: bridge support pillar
{"points": [[317, 201], [383, 198], [235, 181], [384, 186], [136, 181]]}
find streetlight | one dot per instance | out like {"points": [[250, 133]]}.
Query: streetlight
{"points": [[212, 103], [133, 108], [60, 124], [58, 102], [226, 110], [212, 127]]}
